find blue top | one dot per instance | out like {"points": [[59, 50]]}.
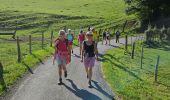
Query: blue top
{"points": [[70, 37]]}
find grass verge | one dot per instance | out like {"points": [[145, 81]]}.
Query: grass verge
{"points": [[131, 82]]}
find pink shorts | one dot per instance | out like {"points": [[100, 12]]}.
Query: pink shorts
{"points": [[89, 61]]}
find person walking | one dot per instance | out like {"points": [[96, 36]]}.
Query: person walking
{"points": [[117, 36], [81, 38], [70, 38], [108, 36], [95, 38], [104, 37], [61, 54], [89, 50]]}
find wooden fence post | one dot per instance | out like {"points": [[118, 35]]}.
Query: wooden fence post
{"points": [[124, 25], [88, 28], [65, 29], [1, 72], [126, 42], [133, 50], [131, 39], [51, 44], [2, 82], [19, 50], [141, 61], [42, 41], [30, 44], [156, 68]]}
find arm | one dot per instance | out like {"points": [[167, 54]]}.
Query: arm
{"points": [[73, 36], [78, 38], [98, 36], [82, 52], [96, 51], [55, 51]]}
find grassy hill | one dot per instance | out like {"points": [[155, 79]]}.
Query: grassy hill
{"points": [[32, 17]]}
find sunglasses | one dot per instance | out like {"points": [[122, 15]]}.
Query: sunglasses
{"points": [[61, 34]]}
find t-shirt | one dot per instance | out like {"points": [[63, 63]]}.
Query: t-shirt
{"points": [[117, 33], [81, 37], [108, 34], [70, 37], [104, 34], [95, 36]]}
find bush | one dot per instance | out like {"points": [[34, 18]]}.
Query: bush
{"points": [[163, 33], [155, 34], [149, 34], [168, 34]]}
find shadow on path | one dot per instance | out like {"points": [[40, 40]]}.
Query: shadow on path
{"points": [[75, 55], [29, 69], [38, 58], [81, 93], [98, 88]]}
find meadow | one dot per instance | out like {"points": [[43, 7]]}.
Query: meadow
{"points": [[32, 17], [130, 82]]}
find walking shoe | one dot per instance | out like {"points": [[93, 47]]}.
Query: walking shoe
{"points": [[60, 81], [89, 83]]}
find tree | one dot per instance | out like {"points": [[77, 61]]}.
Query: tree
{"points": [[148, 10]]}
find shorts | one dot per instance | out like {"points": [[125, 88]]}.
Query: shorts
{"points": [[70, 42], [89, 61], [61, 60], [80, 44], [108, 38]]}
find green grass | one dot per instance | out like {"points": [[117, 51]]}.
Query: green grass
{"points": [[34, 17], [131, 82], [95, 8], [14, 70]]}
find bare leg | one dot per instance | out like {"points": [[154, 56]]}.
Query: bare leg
{"points": [[86, 68], [90, 73], [71, 48], [60, 74], [65, 70], [80, 49], [60, 71], [90, 76], [106, 40]]}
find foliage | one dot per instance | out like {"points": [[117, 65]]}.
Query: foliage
{"points": [[148, 9]]}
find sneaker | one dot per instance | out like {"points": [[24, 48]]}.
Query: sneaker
{"points": [[60, 81], [65, 74], [89, 83]]}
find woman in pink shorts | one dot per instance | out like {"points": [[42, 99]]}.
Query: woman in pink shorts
{"points": [[89, 50]]}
